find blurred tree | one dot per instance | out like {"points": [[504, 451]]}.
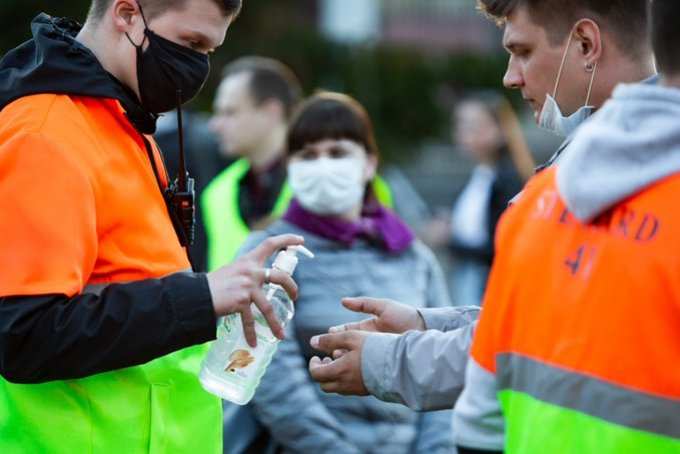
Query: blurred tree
{"points": [[400, 87], [16, 15]]}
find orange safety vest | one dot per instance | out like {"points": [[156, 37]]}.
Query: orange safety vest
{"points": [[581, 324], [82, 208]]}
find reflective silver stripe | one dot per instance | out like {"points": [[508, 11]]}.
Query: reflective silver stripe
{"points": [[589, 395], [98, 289]]}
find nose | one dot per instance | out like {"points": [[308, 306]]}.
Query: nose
{"points": [[513, 76]]}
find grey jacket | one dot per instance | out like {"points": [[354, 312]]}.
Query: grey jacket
{"points": [[301, 417], [630, 144], [423, 370]]}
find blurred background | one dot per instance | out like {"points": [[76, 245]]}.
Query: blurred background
{"points": [[407, 61]]}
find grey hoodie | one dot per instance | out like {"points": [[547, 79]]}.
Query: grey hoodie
{"points": [[632, 142]]}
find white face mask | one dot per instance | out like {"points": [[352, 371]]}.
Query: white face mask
{"points": [[328, 186], [552, 118]]}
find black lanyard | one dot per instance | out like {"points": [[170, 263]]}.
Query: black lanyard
{"points": [[180, 195]]}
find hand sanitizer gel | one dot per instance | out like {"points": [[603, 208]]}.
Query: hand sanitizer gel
{"points": [[232, 369]]}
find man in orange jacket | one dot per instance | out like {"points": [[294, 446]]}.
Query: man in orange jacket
{"points": [[578, 343], [97, 307]]}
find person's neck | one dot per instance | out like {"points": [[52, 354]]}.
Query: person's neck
{"points": [[620, 71], [269, 151], [87, 38], [672, 81], [353, 215], [489, 158]]}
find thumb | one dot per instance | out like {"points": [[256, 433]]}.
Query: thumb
{"points": [[365, 305]]}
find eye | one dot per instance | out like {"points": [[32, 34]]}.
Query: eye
{"points": [[522, 52], [338, 152], [196, 43], [518, 51], [307, 155]]}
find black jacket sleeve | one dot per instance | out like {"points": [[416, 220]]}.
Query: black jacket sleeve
{"points": [[53, 337]]}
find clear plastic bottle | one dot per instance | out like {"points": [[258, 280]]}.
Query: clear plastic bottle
{"points": [[232, 369]]}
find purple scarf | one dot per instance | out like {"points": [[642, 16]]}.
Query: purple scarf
{"points": [[377, 224]]}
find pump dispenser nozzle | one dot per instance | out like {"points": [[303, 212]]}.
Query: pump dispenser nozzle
{"points": [[287, 260]]}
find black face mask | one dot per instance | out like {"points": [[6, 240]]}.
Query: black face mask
{"points": [[166, 71]]}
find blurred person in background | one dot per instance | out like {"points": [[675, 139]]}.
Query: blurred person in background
{"points": [[486, 128], [361, 247], [203, 160], [253, 105]]}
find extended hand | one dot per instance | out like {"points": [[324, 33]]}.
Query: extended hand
{"points": [[236, 286], [342, 375], [389, 316]]}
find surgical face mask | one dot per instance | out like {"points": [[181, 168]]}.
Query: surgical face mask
{"points": [[552, 118], [168, 73], [328, 186]]}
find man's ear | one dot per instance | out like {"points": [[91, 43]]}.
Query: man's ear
{"points": [[125, 15], [275, 109], [589, 36]]}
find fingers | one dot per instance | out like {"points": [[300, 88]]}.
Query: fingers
{"points": [[268, 311], [269, 246], [337, 354], [248, 326], [364, 325], [346, 340], [341, 328], [328, 374], [371, 306], [331, 387], [284, 280], [325, 371]]}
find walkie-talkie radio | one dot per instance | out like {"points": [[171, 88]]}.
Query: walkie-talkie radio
{"points": [[182, 191], [184, 202]]}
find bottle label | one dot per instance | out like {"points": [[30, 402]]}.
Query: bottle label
{"points": [[244, 361]]}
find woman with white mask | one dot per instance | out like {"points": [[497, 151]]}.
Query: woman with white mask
{"points": [[362, 248]]}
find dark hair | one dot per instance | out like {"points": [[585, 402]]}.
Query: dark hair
{"points": [[626, 19], [329, 115], [270, 79], [152, 8], [666, 35]]}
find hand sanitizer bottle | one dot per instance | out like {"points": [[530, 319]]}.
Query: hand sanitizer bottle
{"points": [[232, 369]]}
